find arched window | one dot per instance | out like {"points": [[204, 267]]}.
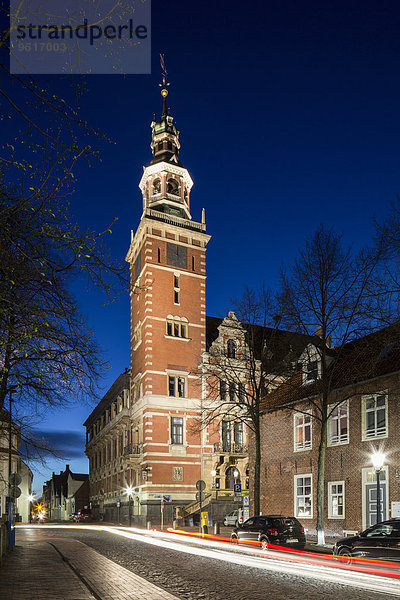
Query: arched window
{"points": [[156, 186], [231, 346], [230, 478], [173, 187]]}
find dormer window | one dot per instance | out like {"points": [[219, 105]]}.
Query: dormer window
{"points": [[173, 187], [311, 371], [231, 348], [156, 186]]}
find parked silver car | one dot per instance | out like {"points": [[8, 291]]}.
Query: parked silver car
{"points": [[234, 518]]}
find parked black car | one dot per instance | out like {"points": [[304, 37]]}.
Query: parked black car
{"points": [[381, 541], [271, 529]]}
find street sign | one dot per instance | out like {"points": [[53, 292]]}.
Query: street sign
{"points": [[200, 496], [246, 513], [15, 479], [15, 491], [245, 500], [157, 496], [200, 485], [167, 498]]}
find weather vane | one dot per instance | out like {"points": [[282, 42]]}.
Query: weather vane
{"points": [[164, 84]]}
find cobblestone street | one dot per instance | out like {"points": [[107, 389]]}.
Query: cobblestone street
{"points": [[173, 573]]}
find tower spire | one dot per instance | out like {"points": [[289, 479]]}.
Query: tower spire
{"points": [[164, 84]]}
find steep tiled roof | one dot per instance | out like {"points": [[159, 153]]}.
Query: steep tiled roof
{"points": [[361, 360], [121, 383]]}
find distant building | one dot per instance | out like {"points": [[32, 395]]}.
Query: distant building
{"points": [[64, 494], [11, 454]]}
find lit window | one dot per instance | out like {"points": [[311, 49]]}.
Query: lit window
{"points": [[338, 425], [231, 347], [374, 414], [336, 499], [176, 430], [302, 432], [303, 495]]}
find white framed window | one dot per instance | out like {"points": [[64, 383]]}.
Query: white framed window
{"points": [[303, 496], [177, 386], [302, 433], [177, 430], [335, 499], [374, 416], [338, 424], [177, 327]]}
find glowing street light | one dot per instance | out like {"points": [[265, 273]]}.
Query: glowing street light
{"points": [[378, 459], [129, 493]]}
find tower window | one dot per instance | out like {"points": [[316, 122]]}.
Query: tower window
{"points": [[156, 186], [176, 386], [159, 146], [176, 296], [159, 254], [169, 145], [176, 281], [177, 327], [193, 264], [173, 187]]}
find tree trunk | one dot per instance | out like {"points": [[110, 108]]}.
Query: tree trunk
{"points": [[257, 467], [321, 484]]}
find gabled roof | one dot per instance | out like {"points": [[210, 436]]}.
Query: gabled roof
{"points": [[285, 345], [370, 357], [121, 383]]}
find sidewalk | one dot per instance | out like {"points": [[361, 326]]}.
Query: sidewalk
{"points": [[65, 569]]}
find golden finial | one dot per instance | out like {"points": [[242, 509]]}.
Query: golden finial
{"points": [[164, 84]]}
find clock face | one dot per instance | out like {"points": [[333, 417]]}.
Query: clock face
{"points": [[176, 256]]}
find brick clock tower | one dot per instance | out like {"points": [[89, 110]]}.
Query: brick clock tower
{"points": [[168, 327]]}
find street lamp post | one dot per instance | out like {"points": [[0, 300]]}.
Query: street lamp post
{"points": [[129, 493], [378, 458]]}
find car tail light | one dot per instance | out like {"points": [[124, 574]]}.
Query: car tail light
{"points": [[302, 530], [273, 531]]}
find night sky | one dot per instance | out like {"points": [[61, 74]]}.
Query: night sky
{"points": [[289, 117]]}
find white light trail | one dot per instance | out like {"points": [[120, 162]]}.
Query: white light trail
{"points": [[268, 561]]}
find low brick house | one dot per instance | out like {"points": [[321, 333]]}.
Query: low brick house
{"points": [[365, 419]]}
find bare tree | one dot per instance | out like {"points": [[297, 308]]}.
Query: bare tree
{"points": [[330, 295], [240, 370], [47, 352]]}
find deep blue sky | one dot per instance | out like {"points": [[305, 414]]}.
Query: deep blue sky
{"points": [[289, 116]]}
